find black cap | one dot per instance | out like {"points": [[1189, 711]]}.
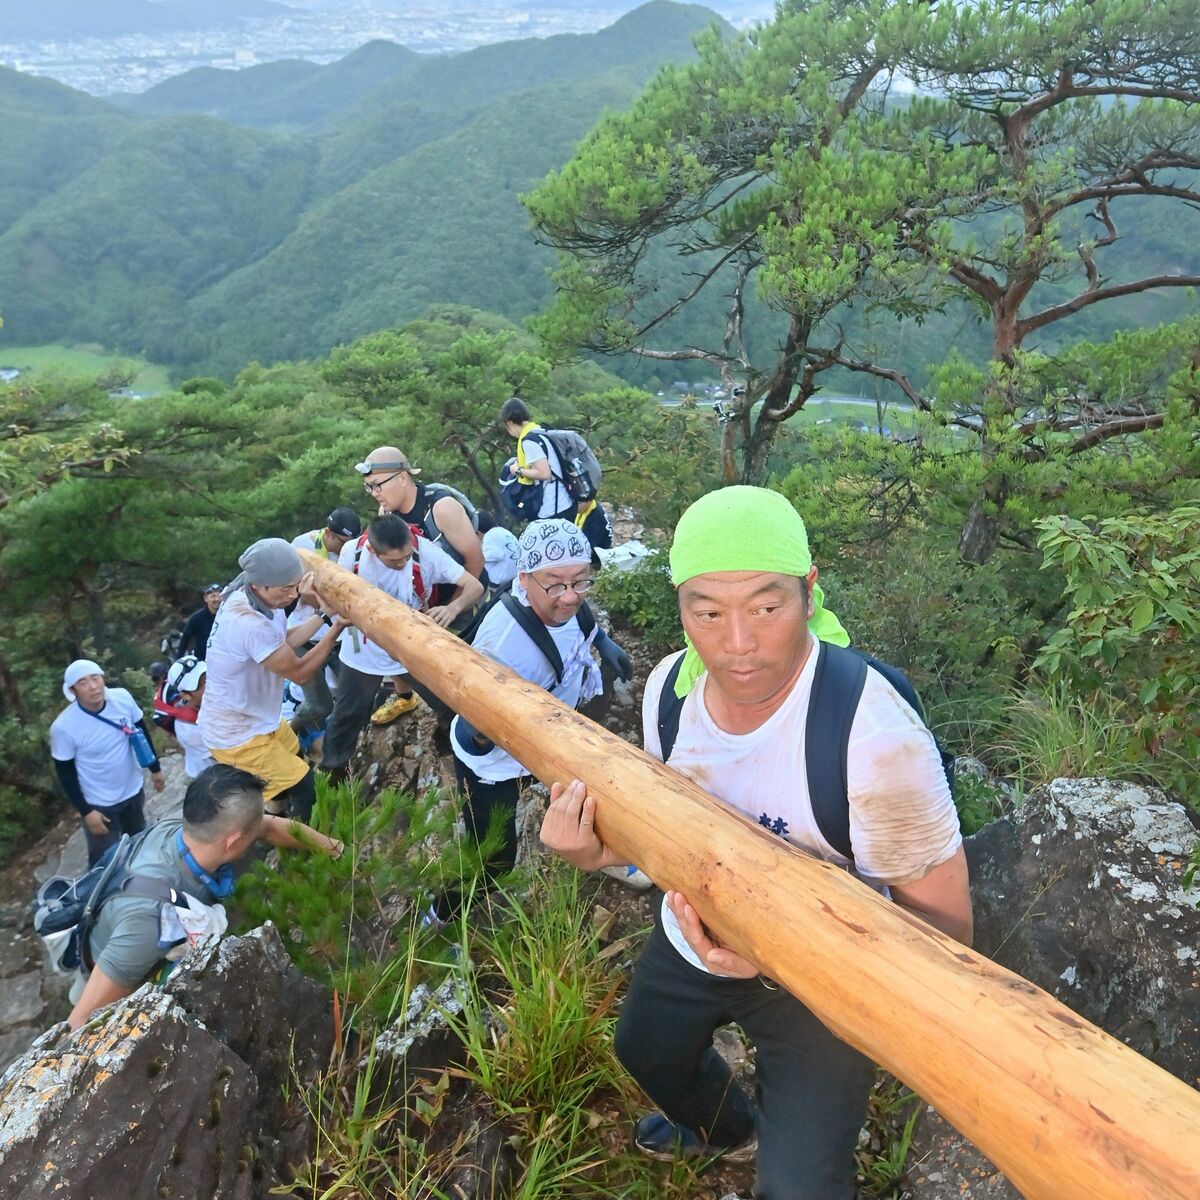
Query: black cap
{"points": [[214, 587], [344, 522]]}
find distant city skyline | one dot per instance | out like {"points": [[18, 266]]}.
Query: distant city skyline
{"points": [[316, 30]]}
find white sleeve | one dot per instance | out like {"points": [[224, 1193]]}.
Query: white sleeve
{"points": [[62, 744], [534, 451], [903, 822], [126, 705], [259, 638], [437, 566]]}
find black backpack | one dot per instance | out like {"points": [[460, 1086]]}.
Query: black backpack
{"points": [[837, 687], [64, 904], [539, 635]]}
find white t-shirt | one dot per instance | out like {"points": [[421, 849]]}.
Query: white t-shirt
{"points": [[241, 697], [104, 760], [902, 817], [555, 497], [354, 647], [305, 612], [504, 641], [196, 757], [500, 552]]}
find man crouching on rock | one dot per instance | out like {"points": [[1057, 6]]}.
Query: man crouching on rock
{"points": [[752, 612], [222, 818]]}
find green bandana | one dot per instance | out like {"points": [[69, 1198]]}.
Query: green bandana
{"points": [[745, 529]]}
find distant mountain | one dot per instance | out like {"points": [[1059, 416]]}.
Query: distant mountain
{"points": [[65, 20], [206, 243], [51, 134], [285, 94]]}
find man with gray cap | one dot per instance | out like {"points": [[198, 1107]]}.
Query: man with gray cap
{"points": [[97, 763], [194, 638], [250, 654]]}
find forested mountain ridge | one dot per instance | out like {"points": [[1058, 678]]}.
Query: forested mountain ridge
{"points": [[203, 243], [289, 93], [273, 212]]}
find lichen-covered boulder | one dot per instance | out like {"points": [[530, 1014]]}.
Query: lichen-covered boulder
{"points": [[140, 1103], [249, 994], [1080, 890], [174, 1092]]}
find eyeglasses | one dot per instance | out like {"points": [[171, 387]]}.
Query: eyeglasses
{"points": [[377, 485], [580, 587]]}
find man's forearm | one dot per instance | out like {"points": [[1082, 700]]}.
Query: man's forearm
{"points": [[307, 665], [68, 778]]}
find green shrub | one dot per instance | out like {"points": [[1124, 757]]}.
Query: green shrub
{"points": [[643, 599], [1133, 632], [355, 920], [1054, 734]]}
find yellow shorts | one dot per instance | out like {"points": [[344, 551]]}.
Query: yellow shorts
{"points": [[273, 757]]}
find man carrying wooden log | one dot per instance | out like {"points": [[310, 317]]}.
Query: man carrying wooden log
{"points": [[736, 715], [543, 630]]}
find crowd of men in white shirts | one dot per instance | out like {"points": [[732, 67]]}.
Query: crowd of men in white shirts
{"points": [[733, 709]]}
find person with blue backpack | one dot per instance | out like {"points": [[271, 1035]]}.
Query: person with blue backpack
{"points": [[740, 711], [100, 746]]}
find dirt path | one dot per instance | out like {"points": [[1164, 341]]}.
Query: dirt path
{"points": [[32, 997]]}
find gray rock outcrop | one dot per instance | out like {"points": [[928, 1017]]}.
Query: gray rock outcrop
{"points": [[1080, 890], [173, 1093]]}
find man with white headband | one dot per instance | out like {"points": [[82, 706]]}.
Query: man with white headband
{"points": [[734, 711], [92, 744], [544, 631], [250, 653]]}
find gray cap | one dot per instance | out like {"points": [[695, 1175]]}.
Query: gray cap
{"points": [[271, 562]]}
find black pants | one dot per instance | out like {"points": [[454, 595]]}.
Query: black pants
{"points": [[127, 817], [480, 800], [317, 704], [352, 709], [811, 1087]]}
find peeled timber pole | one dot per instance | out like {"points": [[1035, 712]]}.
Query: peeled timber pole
{"points": [[1067, 1112]]}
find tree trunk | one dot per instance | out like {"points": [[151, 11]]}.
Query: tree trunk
{"points": [[1067, 1112], [981, 532], [757, 451]]}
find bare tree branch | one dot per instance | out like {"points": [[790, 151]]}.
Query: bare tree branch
{"points": [[1096, 295]]}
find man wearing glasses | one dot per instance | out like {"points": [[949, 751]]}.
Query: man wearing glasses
{"points": [[250, 653], [440, 515], [544, 631]]}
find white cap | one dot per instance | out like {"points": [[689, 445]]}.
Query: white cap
{"points": [[81, 668], [185, 675]]}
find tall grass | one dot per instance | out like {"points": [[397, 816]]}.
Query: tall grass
{"points": [[1054, 733]]}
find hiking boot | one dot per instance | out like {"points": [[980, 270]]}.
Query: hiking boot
{"points": [[397, 706], [630, 876], [659, 1138]]}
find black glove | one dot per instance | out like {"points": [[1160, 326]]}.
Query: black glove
{"points": [[614, 656]]}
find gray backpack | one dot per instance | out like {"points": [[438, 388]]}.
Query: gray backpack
{"points": [[580, 467]]}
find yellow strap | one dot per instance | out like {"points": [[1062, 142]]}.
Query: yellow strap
{"points": [[319, 541], [530, 426], [580, 517]]}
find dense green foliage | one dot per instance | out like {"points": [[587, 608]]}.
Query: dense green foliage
{"points": [[781, 166]]}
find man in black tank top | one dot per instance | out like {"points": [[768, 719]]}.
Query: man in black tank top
{"points": [[391, 481]]}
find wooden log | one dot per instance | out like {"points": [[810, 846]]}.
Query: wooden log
{"points": [[1065, 1110]]}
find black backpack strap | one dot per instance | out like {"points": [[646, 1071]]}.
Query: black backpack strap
{"points": [[836, 689], [538, 634], [586, 619], [670, 707]]}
